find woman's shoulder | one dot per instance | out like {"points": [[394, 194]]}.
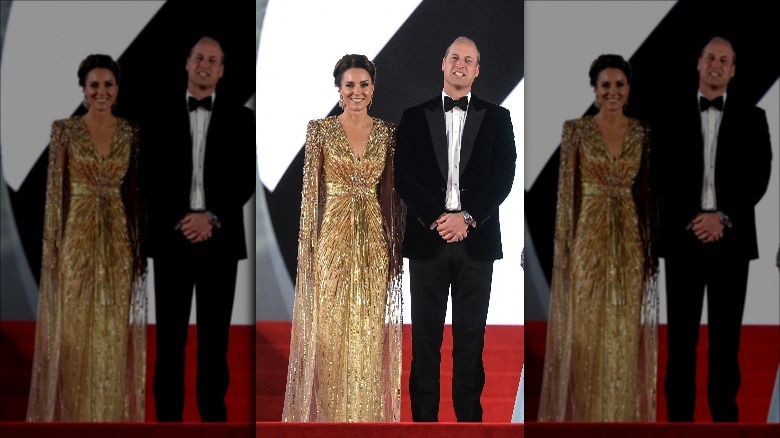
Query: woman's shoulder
{"points": [[129, 128], [576, 124], [581, 121], [124, 123], [326, 121], [384, 124], [67, 123], [640, 125], [319, 126], [66, 128]]}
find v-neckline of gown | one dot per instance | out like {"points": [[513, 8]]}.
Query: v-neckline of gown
{"points": [[349, 145], [621, 150], [110, 150]]}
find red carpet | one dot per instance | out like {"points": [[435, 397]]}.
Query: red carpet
{"points": [[650, 430], [503, 358], [126, 430], [393, 430], [759, 356], [504, 353], [16, 349]]}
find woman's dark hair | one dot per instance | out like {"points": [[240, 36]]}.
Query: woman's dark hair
{"points": [[353, 61], [609, 61], [92, 62]]}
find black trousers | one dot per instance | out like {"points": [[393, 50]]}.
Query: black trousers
{"points": [[430, 282], [214, 281], [725, 278]]}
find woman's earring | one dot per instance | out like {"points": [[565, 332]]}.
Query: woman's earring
{"points": [[341, 101], [370, 101]]}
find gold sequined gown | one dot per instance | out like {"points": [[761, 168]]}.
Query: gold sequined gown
{"points": [[345, 352], [89, 362], [600, 360]]}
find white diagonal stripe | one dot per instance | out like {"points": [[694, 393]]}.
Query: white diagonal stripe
{"points": [[44, 43]]}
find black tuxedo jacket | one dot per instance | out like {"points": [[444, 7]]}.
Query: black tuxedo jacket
{"points": [[742, 170], [487, 170], [229, 176]]}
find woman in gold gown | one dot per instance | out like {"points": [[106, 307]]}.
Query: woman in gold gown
{"points": [[345, 351], [600, 360], [90, 342]]}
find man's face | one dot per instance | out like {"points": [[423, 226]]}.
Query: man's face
{"points": [[716, 65], [460, 66], [204, 66]]}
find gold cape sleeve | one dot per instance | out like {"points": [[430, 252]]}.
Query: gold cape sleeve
{"points": [[555, 384], [392, 212], [299, 396], [45, 367]]}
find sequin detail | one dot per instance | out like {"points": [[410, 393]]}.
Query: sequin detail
{"points": [[90, 345], [600, 361], [345, 352]]}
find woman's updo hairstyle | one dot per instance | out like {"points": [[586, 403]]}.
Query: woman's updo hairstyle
{"points": [[609, 61], [92, 62], [353, 61]]}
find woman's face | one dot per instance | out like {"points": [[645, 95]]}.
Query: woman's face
{"points": [[357, 89], [611, 89], [100, 89]]}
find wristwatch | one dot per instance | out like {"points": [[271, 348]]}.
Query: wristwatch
{"points": [[723, 218], [213, 220], [467, 217]]}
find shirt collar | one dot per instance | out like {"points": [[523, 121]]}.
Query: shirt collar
{"points": [[699, 95], [443, 94]]}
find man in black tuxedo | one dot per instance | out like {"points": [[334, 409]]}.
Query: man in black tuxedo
{"points": [[200, 171], [714, 165], [454, 165]]}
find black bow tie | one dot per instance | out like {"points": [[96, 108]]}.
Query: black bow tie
{"points": [[193, 103], [705, 103], [461, 103]]}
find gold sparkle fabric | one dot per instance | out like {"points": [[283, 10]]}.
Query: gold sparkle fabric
{"points": [[601, 355], [90, 342], [345, 350]]}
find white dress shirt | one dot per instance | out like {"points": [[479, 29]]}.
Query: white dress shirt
{"points": [[455, 121], [199, 128], [710, 125]]}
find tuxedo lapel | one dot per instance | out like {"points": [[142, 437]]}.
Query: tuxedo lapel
{"points": [[727, 121], [434, 113], [476, 113], [183, 133], [215, 128], [695, 140], [182, 121]]}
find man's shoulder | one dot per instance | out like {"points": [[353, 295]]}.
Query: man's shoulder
{"points": [[493, 110], [228, 104], [476, 100], [743, 107], [426, 104]]}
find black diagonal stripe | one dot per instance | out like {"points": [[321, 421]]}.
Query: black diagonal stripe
{"points": [[409, 72], [664, 69], [152, 67]]}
